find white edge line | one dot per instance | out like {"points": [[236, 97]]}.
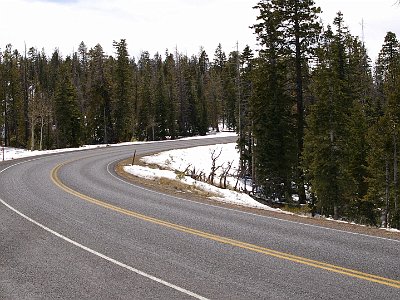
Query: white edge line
{"points": [[114, 261], [248, 213]]}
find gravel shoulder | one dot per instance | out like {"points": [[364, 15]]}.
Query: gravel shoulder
{"points": [[180, 190]]}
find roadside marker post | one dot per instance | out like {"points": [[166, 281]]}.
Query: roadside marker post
{"points": [[133, 159]]}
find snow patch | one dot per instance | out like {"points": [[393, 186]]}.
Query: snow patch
{"points": [[222, 195], [199, 159], [15, 153]]}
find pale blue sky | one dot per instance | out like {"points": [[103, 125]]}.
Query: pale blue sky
{"points": [[156, 25]]}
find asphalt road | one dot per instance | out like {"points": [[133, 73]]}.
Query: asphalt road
{"points": [[71, 229]]}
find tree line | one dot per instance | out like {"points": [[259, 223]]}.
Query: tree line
{"points": [[317, 123], [324, 123], [89, 97]]}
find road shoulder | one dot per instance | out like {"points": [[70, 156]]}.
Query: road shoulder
{"points": [[177, 189]]}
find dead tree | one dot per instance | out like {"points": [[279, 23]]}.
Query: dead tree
{"points": [[214, 166], [38, 111], [224, 175]]}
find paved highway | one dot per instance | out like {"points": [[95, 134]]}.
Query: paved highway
{"points": [[70, 228]]}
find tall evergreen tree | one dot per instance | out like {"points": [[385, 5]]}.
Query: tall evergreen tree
{"points": [[39, 106], [123, 102], [67, 113], [218, 95], [333, 164], [202, 82], [171, 90], [230, 87], [384, 141], [144, 113], [160, 101], [185, 91], [297, 30], [14, 116], [245, 123], [2, 101], [273, 124], [100, 95]]}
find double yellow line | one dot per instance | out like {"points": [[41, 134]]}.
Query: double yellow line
{"points": [[251, 247]]}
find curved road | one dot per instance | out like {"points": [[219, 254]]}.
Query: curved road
{"points": [[70, 228]]}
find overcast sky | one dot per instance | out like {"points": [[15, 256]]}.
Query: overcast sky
{"points": [[157, 25]]}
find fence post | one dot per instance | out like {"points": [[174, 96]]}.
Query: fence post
{"points": [[133, 159]]}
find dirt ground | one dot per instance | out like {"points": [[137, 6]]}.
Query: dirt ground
{"points": [[177, 189]]}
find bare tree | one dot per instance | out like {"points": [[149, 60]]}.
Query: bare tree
{"points": [[38, 112], [214, 167], [224, 175]]}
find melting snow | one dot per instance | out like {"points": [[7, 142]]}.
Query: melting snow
{"points": [[199, 159]]}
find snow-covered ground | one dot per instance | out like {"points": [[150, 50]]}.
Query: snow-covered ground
{"points": [[8, 153], [172, 165], [15, 153], [199, 160]]}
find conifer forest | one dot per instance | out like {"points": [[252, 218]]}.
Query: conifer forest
{"points": [[318, 122]]}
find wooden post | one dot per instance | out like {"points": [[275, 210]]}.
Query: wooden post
{"points": [[133, 159]]}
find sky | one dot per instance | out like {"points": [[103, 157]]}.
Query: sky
{"points": [[157, 25]]}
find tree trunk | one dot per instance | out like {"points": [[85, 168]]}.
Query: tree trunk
{"points": [[300, 114], [387, 187], [6, 139], [395, 181], [335, 212], [32, 134], [26, 103], [253, 159], [41, 134]]}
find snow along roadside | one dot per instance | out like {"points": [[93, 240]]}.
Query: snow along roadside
{"points": [[172, 164], [9, 153]]}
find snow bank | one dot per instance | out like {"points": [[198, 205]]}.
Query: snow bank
{"points": [[222, 195], [15, 153], [200, 160]]}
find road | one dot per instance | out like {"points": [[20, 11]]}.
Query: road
{"points": [[70, 228]]}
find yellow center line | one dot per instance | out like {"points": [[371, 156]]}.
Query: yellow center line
{"points": [[243, 245]]}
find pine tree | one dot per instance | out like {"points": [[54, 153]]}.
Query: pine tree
{"points": [[67, 113], [100, 94], [169, 69], [336, 166], [80, 80], [230, 87], [202, 82], [14, 114], [383, 170], [186, 92], [297, 30], [273, 124], [39, 107], [245, 123], [144, 113], [123, 102], [218, 93], [2, 102], [160, 101]]}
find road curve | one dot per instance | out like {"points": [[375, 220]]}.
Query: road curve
{"points": [[70, 228]]}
